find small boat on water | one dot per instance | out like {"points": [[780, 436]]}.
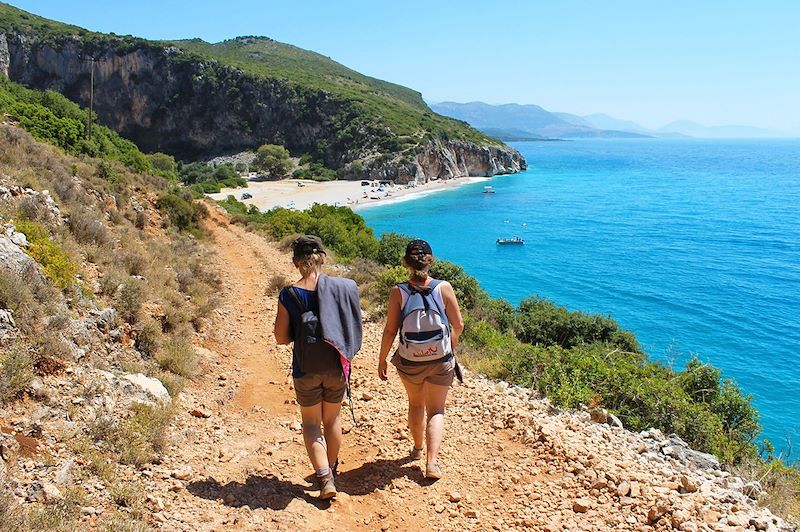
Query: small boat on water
{"points": [[514, 240], [488, 189]]}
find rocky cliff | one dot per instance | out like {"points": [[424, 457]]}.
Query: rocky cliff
{"points": [[167, 99]]}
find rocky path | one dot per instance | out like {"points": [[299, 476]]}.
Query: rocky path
{"points": [[510, 462]]}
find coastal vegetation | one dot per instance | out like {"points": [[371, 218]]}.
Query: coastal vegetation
{"points": [[50, 117], [272, 160], [398, 114], [254, 90], [573, 358]]}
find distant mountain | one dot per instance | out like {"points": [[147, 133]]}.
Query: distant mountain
{"points": [[602, 121], [693, 129], [519, 120]]}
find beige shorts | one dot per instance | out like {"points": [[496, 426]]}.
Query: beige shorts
{"points": [[439, 374], [313, 388]]}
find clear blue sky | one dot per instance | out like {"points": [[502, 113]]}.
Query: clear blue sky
{"points": [[714, 62]]}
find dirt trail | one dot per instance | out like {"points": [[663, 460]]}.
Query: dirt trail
{"points": [[244, 466]]}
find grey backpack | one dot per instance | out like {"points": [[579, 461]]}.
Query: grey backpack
{"points": [[424, 328]]}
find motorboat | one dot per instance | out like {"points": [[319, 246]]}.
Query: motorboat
{"points": [[488, 189], [513, 240]]}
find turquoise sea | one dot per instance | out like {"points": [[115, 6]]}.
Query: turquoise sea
{"points": [[694, 245]]}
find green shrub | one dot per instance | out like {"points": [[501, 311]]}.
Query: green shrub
{"points": [[183, 213], [55, 262], [391, 248], [467, 290], [148, 336], [272, 159], [542, 322]]}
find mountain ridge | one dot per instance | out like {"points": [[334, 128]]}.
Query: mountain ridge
{"points": [[512, 119], [193, 99], [536, 122]]}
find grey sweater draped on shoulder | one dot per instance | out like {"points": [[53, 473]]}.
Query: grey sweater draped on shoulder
{"points": [[340, 314]]}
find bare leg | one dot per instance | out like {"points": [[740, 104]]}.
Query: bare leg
{"points": [[435, 397], [332, 425], [416, 412], [312, 436]]}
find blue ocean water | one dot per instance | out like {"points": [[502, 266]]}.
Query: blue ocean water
{"points": [[694, 245]]}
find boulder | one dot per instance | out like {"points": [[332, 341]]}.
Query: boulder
{"points": [[149, 385], [13, 259], [135, 388], [678, 449]]}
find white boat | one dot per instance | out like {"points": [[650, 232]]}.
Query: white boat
{"points": [[488, 189], [514, 240]]}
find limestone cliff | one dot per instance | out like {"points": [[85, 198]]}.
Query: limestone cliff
{"points": [[170, 100]]}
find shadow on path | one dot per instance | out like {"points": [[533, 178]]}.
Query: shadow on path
{"points": [[256, 492], [378, 474]]}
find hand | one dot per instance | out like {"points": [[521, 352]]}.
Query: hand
{"points": [[382, 367]]}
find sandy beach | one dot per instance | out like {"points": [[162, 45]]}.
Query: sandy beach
{"points": [[301, 194]]}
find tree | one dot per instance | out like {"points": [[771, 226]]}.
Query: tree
{"points": [[273, 160], [163, 164]]}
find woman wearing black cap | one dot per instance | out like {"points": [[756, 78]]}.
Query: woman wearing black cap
{"points": [[426, 313], [320, 361]]}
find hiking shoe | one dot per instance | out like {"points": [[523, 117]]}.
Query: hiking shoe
{"points": [[415, 453], [334, 468], [327, 489], [433, 471]]}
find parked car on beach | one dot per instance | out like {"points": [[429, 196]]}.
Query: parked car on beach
{"points": [[246, 195]]}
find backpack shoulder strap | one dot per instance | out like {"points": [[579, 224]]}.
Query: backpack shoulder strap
{"points": [[432, 285], [296, 297]]}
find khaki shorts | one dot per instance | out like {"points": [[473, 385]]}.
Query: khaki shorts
{"points": [[439, 374], [313, 388]]}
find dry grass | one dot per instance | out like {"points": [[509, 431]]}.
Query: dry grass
{"points": [[179, 357], [148, 336], [140, 438], [276, 283], [781, 485], [16, 371], [87, 228]]}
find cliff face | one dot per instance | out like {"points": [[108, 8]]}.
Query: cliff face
{"points": [[166, 100]]}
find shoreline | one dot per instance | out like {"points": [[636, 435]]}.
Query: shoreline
{"points": [[301, 194]]}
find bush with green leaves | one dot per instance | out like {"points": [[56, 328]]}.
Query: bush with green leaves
{"points": [[543, 322], [573, 358], [182, 212], [50, 117], [273, 160], [391, 248]]}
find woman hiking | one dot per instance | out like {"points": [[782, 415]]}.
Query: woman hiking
{"points": [[426, 313], [321, 317]]}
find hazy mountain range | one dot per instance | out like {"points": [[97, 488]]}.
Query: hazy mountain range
{"points": [[520, 122]]}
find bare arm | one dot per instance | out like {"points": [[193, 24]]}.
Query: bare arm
{"points": [[453, 312], [283, 334], [390, 330]]}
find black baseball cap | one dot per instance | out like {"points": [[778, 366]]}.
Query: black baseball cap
{"points": [[305, 245], [418, 247]]}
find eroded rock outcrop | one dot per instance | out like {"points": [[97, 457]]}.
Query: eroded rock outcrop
{"points": [[168, 100]]}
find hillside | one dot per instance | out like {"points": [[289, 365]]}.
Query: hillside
{"points": [[140, 386], [193, 99], [515, 121], [220, 447]]}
